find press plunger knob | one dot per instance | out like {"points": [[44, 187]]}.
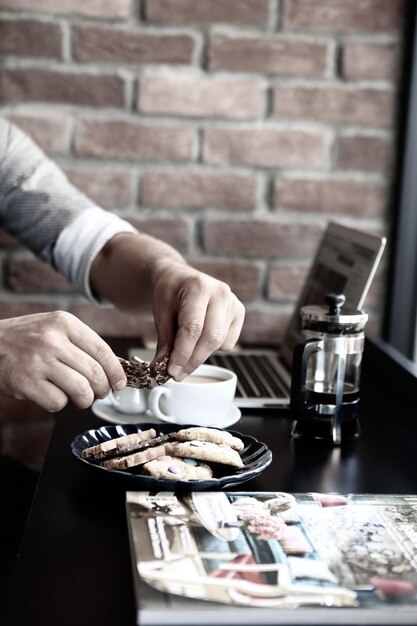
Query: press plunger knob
{"points": [[335, 302]]}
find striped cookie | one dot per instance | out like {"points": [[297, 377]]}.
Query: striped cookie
{"points": [[177, 469], [119, 445], [208, 452], [214, 435], [138, 458]]}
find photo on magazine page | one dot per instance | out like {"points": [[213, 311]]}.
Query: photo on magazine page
{"points": [[280, 555]]}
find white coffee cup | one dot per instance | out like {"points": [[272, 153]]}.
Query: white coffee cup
{"points": [[203, 398], [129, 400]]}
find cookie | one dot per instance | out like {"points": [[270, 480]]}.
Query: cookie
{"points": [[139, 373], [213, 435], [207, 451], [119, 445], [159, 370], [177, 469], [138, 458]]}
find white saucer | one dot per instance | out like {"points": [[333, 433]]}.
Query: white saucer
{"points": [[232, 416], [105, 411]]}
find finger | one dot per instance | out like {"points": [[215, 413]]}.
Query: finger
{"points": [[222, 323], [232, 336], [61, 384], [222, 326], [211, 337], [72, 343], [87, 367], [166, 328], [92, 344], [45, 394], [235, 328], [74, 385], [190, 327]]}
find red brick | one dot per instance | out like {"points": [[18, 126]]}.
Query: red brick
{"points": [[285, 282], [372, 107], [191, 190], [349, 197], [256, 238], [26, 85], [119, 139], [27, 38], [115, 46], [340, 15], [373, 61], [31, 275], [266, 147], [173, 231], [189, 96], [264, 326], [51, 132], [242, 278], [275, 55], [112, 323], [355, 152], [108, 187], [97, 8], [252, 13]]}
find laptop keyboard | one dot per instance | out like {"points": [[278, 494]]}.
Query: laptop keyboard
{"points": [[257, 376]]}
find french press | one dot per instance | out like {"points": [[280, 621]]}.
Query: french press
{"points": [[326, 371]]}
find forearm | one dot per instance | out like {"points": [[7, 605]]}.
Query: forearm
{"points": [[40, 207], [36, 199], [126, 270]]}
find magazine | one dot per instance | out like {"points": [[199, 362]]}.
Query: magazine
{"points": [[273, 558]]}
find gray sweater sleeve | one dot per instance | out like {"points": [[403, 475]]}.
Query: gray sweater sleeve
{"points": [[36, 199], [40, 207]]}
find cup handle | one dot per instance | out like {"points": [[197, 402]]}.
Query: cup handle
{"points": [[153, 403]]}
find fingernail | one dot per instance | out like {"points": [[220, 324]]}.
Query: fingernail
{"points": [[121, 384], [177, 372]]}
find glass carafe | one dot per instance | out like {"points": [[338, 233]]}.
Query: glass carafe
{"points": [[325, 386]]}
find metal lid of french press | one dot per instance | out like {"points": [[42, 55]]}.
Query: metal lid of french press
{"points": [[332, 319]]}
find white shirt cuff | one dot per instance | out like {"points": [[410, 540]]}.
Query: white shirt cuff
{"points": [[80, 242]]}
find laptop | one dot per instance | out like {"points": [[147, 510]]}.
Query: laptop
{"points": [[345, 262]]}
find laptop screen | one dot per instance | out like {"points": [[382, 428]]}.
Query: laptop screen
{"points": [[345, 262]]}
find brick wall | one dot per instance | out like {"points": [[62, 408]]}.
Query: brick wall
{"points": [[234, 129]]}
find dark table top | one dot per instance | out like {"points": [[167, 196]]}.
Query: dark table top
{"points": [[74, 565]]}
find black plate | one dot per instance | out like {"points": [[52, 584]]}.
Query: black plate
{"points": [[256, 456]]}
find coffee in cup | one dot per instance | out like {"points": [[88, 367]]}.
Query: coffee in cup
{"points": [[196, 379], [203, 398]]}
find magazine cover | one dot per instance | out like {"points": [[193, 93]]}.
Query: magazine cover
{"points": [[273, 558]]}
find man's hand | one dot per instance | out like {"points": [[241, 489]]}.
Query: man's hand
{"points": [[194, 314], [51, 358]]}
